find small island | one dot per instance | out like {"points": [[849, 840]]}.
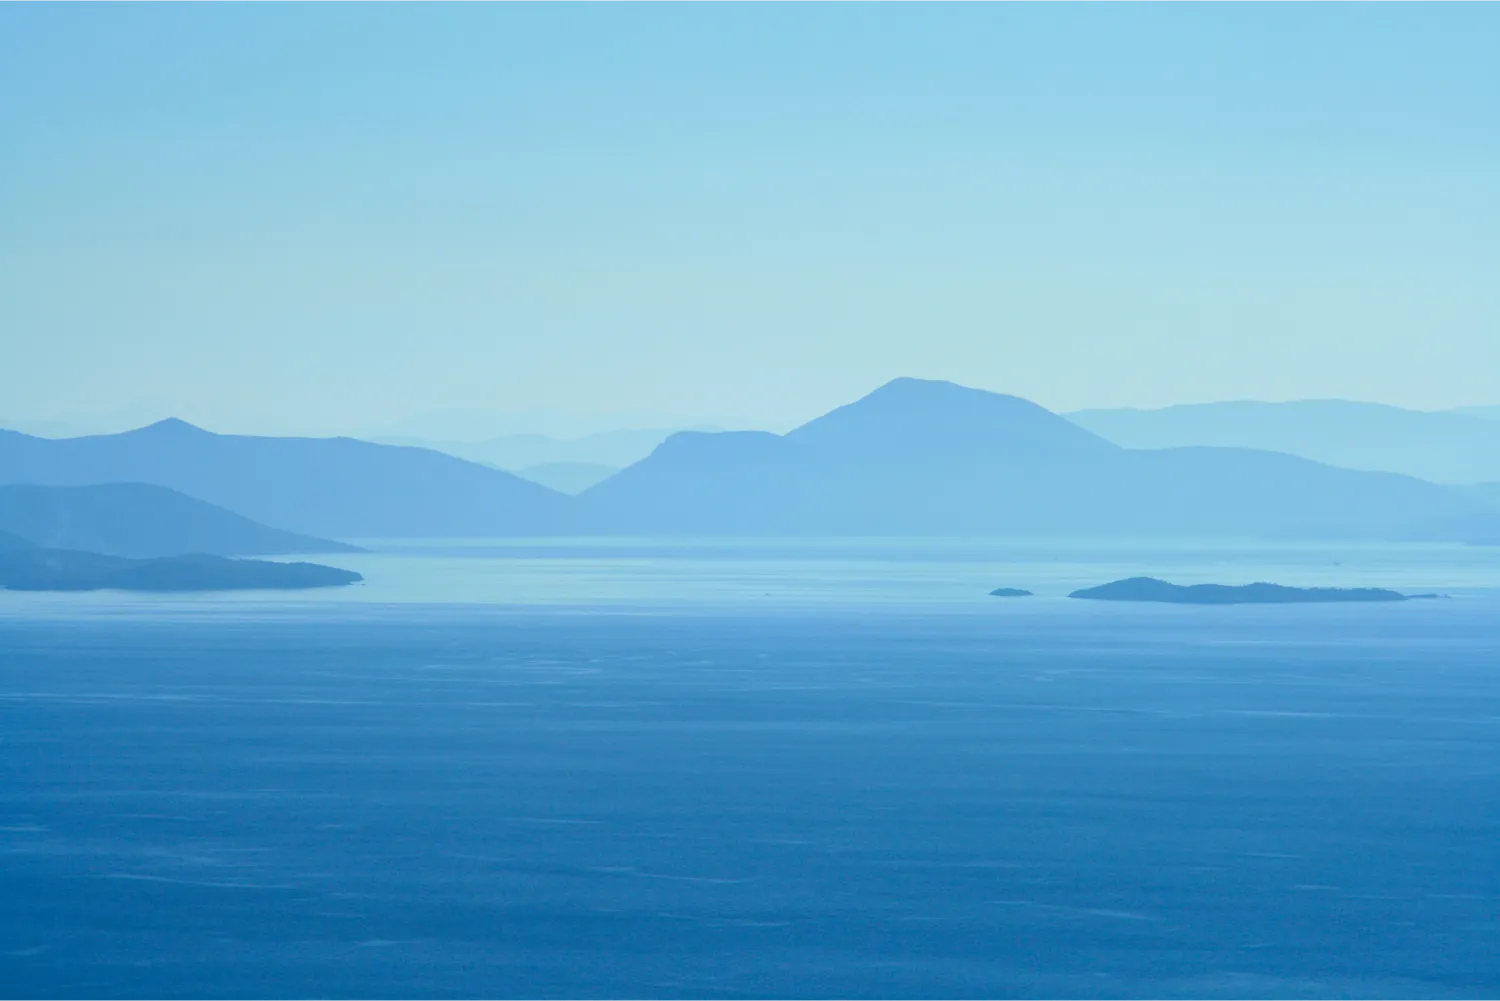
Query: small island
{"points": [[1009, 592], [1151, 589], [38, 569]]}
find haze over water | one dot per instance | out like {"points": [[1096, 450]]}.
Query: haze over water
{"points": [[738, 354], [670, 776]]}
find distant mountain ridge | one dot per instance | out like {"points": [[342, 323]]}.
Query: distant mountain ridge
{"points": [[140, 521], [1444, 447], [919, 418], [919, 457], [567, 477], [338, 487], [914, 457]]}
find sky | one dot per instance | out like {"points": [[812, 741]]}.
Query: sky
{"points": [[328, 218]]}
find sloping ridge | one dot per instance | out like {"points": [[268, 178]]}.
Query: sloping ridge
{"points": [[339, 487], [69, 570], [933, 458], [1445, 447], [138, 520]]}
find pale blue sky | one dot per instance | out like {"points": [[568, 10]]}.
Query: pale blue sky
{"points": [[331, 217]]}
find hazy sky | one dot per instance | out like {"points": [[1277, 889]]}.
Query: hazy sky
{"points": [[324, 217]]}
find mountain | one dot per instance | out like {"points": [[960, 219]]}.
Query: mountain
{"points": [[1445, 447], [1490, 413], [932, 458], [139, 520], [912, 458], [568, 477], [68, 570], [517, 452], [338, 487]]}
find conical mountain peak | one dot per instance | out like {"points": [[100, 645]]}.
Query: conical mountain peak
{"points": [[171, 425], [927, 414]]}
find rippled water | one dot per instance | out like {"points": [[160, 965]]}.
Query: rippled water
{"points": [[706, 769]]}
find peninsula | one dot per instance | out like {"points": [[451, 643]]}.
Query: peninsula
{"points": [[1151, 589], [71, 570]]}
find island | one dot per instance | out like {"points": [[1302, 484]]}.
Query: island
{"points": [[1009, 592], [1151, 589], [36, 569]]}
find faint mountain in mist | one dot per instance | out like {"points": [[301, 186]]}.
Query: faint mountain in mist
{"points": [[924, 458], [138, 520], [108, 420], [518, 452], [912, 458], [337, 487], [42, 428], [568, 477], [471, 426], [1445, 447]]}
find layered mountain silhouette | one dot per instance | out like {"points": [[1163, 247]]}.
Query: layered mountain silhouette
{"points": [[922, 458], [518, 452], [567, 477], [912, 458], [338, 487], [137, 520], [1445, 447]]}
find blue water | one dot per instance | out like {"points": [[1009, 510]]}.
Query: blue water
{"points": [[707, 771]]}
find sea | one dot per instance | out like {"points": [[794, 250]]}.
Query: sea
{"points": [[759, 769]]}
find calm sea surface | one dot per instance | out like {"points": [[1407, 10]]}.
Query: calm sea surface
{"points": [[717, 769]]}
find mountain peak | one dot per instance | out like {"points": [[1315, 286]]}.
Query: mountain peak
{"points": [[170, 425], [927, 414], [910, 386]]}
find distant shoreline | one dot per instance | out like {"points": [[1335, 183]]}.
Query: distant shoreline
{"points": [[1150, 589]]}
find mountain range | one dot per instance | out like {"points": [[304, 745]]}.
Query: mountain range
{"points": [[1445, 446], [339, 487], [569, 465], [912, 458], [921, 457]]}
